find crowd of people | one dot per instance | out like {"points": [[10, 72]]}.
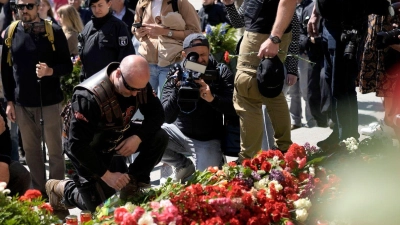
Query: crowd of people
{"points": [[150, 57]]}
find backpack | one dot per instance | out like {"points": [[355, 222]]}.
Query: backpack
{"points": [[49, 33], [174, 3]]}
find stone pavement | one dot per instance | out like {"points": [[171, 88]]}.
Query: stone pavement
{"points": [[370, 110]]}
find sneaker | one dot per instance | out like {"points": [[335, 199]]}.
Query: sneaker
{"points": [[378, 129], [371, 129], [181, 174], [55, 193]]}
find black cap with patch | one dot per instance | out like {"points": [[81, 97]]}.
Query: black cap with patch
{"points": [[188, 42], [270, 77]]}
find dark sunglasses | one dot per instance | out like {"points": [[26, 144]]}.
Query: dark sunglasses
{"points": [[129, 87], [28, 6]]}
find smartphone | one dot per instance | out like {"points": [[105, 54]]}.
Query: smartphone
{"points": [[137, 25]]}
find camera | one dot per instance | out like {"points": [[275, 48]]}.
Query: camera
{"points": [[384, 39], [350, 38], [188, 73], [35, 27]]}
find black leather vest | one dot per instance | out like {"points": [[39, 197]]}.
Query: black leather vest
{"points": [[103, 91], [111, 128]]}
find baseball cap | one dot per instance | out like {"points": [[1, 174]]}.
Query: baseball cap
{"points": [[270, 77], [188, 42]]}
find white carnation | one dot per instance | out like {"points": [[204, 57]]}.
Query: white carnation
{"points": [[278, 186], [146, 219], [129, 206], [302, 203], [301, 215], [2, 186]]}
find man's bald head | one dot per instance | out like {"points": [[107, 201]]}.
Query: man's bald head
{"points": [[135, 70]]}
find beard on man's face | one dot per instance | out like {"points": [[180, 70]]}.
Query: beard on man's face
{"points": [[27, 18]]}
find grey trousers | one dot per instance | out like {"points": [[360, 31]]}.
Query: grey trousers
{"points": [[28, 120]]}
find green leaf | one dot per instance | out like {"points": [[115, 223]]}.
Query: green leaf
{"points": [[316, 160]]}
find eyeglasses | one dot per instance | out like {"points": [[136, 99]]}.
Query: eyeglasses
{"points": [[129, 87], [28, 6]]}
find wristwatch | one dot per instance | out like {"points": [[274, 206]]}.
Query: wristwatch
{"points": [[170, 33], [275, 39]]}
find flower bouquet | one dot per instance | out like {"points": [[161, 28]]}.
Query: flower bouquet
{"points": [[222, 39], [69, 81], [28, 209], [271, 188]]}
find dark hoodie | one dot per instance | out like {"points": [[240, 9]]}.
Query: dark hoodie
{"points": [[205, 121]]}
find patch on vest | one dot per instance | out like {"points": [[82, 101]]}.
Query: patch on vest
{"points": [[127, 115], [80, 116], [123, 41]]}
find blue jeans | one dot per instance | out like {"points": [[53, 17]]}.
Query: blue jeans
{"points": [[205, 153], [340, 75], [158, 75]]}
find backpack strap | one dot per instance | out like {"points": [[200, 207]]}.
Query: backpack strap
{"points": [[9, 38], [49, 32]]}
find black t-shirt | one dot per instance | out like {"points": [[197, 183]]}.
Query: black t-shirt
{"points": [[259, 15]]}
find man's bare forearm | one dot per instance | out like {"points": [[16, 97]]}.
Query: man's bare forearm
{"points": [[284, 16]]}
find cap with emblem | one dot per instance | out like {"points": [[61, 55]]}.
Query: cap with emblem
{"points": [[270, 77], [189, 41]]}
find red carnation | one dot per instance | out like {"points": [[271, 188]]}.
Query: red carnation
{"points": [[46, 206], [226, 57], [31, 194]]}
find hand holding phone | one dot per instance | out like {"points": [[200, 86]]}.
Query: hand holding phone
{"points": [[137, 25]]}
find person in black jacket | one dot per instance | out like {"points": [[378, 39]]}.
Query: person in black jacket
{"points": [[16, 176], [123, 13], [212, 13], [32, 58], [101, 134], [195, 128], [104, 39]]}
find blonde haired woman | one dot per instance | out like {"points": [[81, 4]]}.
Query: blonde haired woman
{"points": [[72, 25]]}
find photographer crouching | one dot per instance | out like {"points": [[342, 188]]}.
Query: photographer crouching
{"points": [[196, 97], [343, 28]]}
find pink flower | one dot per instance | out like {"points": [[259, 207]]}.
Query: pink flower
{"points": [[119, 214], [137, 213], [302, 162], [129, 219], [155, 205]]}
